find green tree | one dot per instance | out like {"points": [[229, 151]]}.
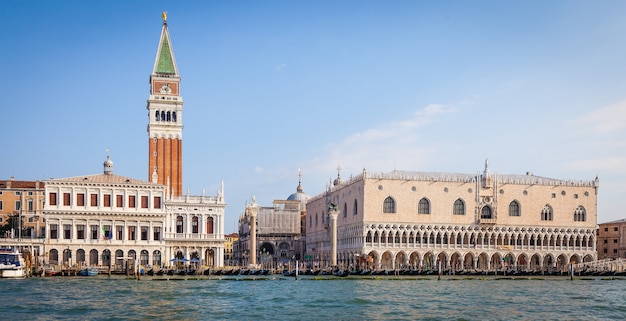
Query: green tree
{"points": [[13, 223]]}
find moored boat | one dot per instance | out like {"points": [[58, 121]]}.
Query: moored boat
{"points": [[90, 271], [12, 264], [49, 270]]}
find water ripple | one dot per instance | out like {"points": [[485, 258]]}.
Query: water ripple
{"points": [[113, 298]]}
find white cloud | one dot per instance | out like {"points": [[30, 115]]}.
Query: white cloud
{"points": [[394, 145], [258, 169], [604, 120], [280, 67]]}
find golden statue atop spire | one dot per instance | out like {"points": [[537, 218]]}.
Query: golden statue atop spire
{"points": [[164, 16]]}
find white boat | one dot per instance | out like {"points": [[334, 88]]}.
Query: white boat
{"points": [[12, 264]]}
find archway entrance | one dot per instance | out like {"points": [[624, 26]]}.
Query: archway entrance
{"points": [[209, 257]]}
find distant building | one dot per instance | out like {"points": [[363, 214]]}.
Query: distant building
{"points": [[24, 199], [229, 240], [303, 197], [484, 221], [612, 240], [278, 240]]}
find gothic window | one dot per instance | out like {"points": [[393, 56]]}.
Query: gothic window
{"points": [[174, 116], [162, 115], [514, 209], [156, 116], [345, 210], [179, 224], [355, 210], [459, 207], [486, 212], [580, 215], [423, 207], [389, 205], [169, 116], [546, 213]]}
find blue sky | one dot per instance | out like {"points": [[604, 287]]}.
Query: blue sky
{"points": [[273, 87]]}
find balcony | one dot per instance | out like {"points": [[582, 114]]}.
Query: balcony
{"points": [[193, 236], [487, 221]]}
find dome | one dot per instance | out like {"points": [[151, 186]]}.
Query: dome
{"points": [[299, 195]]}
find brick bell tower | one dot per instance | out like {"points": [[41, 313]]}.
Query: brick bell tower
{"points": [[165, 118]]}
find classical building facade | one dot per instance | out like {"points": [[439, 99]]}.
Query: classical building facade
{"points": [[612, 240], [195, 228], [482, 221], [24, 199], [104, 220]]}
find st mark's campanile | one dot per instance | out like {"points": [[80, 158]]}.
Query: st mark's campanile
{"points": [[165, 114]]}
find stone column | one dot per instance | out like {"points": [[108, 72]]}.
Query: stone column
{"points": [[252, 213], [333, 212]]}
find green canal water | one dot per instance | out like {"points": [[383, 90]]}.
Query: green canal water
{"points": [[280, 298]]}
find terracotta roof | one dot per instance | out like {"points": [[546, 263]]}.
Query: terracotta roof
{"points": [[20, 184]]}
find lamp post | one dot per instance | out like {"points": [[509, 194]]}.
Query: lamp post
{"points": [[20, 221]]}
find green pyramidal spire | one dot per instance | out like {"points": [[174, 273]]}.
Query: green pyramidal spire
{"points": [[165, 63]]}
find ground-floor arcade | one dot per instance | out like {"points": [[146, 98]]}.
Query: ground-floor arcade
{"points": [[452, 261], [121, 258]]}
